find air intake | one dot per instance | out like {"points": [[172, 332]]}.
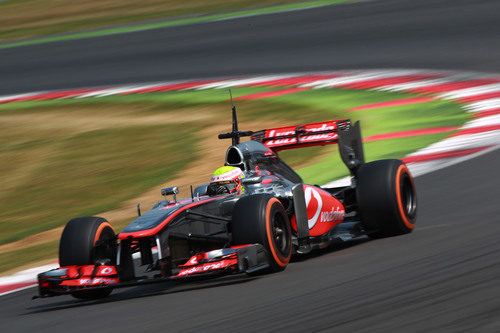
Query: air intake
{"points": [[234, 157]]}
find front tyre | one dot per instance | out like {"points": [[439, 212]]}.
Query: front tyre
{"points": [[387, 199], [87, 241], [262, 219]]}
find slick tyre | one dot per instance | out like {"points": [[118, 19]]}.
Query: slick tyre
{"points": [[262, 219], [387, 199], [85, 241]]}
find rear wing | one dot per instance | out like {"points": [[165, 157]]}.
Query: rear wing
{"points": [[307, 135], [348, 137]]}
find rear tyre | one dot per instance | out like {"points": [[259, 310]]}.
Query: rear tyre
{"points": [[86, 241], [262, 219], [387, 199]]}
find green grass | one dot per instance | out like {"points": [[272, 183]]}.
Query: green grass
{"points": [[13, 259], [50, 18], [69, 158], [53, 173], [88, 173], [74, 157]]}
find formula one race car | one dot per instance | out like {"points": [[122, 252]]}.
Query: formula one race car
{"points": [[266, 216]]}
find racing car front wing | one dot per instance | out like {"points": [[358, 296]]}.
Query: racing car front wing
{"points": [[69, 279]]}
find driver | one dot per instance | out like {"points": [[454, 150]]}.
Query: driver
{"points": [[226, 180]]}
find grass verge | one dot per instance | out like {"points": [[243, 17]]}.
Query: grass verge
{"points": [[12, 259]]}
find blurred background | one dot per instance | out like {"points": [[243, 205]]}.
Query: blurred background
{"points": [[95, 117]]}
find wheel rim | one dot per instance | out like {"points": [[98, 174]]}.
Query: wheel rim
{"points": [[105, 249], [280, 232], [408, 197]]}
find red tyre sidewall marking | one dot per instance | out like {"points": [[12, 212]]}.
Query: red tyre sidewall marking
{"points": [[277, 257], [403, 169]]}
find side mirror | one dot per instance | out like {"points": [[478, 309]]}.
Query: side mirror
{"points": [[170, 191]]}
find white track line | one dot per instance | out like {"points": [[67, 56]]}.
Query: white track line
{"points": [[11, 97], [330, 83], [470, 92], [26, 275], [18, 289], [476, 140], [423, 169], [484, 105], [240, 82], [483, 121], [414, 85]]}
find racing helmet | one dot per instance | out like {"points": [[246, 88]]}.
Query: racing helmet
{"points": [[226, 180]]}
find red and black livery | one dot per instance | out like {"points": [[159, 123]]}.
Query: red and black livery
{"points": [[277, 216]]}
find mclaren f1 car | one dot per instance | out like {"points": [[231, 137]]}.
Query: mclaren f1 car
{"points": [[258, 228]]}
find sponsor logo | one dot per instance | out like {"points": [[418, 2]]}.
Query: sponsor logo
{"points": [[97, 281], [192, 261], [309, 194], [273, 133], [207, 267], [203, 268], [303, 138], [106, 271], [333, 215]]}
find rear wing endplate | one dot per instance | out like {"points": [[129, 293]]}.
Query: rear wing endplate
{"points": [[351, 147]]}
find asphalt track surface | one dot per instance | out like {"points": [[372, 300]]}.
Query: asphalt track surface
{"points": [[439, 34], [442, 277]]}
